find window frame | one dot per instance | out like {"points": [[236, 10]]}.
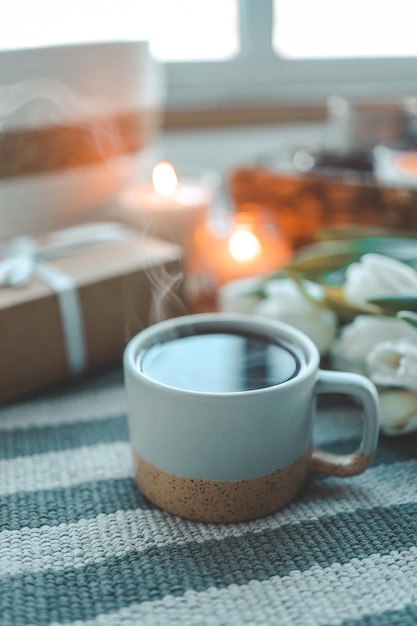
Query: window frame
{"points": [[259, 77]]}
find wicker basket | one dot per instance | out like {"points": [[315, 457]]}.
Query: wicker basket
{"points": [[308, 203]]}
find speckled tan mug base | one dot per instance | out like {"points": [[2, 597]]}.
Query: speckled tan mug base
{"points": [[221, 501]]}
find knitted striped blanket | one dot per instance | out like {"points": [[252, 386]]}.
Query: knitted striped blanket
{"points": [[80, 545]]}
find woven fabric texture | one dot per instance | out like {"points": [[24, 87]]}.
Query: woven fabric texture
{"points": [[80, 545]]}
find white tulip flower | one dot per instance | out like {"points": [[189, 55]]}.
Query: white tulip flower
{"points": [[356, 341], [239, 296], [285, 302], [398, 411], [394, 364], [378, 276]]}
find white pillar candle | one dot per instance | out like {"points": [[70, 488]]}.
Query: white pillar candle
{"points": [[172, 207]]}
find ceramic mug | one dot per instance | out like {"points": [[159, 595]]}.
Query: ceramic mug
{"points": [[221, 410]]}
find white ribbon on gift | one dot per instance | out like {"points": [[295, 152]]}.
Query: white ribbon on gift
{"points": [[23, 258]]}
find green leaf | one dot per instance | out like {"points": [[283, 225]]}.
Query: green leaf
{"points": [[317, 260], [394, 304], [408, 316], [334, 299]]}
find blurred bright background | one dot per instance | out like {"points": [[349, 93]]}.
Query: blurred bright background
{"points": [[223, 52], [262, 92], [192, 30]]}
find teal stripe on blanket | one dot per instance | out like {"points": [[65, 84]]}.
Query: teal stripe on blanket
{"points": [[70, 504], [108, 585], [52, 507], [41, 439], [405, 617]]}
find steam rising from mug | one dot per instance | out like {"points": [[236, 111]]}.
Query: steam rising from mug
{"points": [[43, 102], [164, 294]]}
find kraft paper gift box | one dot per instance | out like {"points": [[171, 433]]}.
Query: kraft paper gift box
{"points": [[120, 287]]}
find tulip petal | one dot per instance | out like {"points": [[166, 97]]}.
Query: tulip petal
{"points": [[357, 339], [285, 302], [398, 412], [240, 296], [376, 276], [394, 363]]}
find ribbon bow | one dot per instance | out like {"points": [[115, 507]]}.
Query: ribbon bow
{"points": [[23, 255], [23, 258]]}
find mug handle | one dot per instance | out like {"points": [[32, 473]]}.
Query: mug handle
{"points": [[356, 462]]}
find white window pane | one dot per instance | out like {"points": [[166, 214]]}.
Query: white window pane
{"points": [[191, 30], [176, 29], [357, 28], [26, 23]]}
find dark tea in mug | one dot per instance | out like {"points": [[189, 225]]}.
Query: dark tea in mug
{"points": [[221, 360]]}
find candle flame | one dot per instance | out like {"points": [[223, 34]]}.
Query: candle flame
{"points": [[244, 246], [164, 178]]}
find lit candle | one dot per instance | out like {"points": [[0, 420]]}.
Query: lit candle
{"points": [[244, 246], [407, 164], [172, 206], [250, 246]]}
